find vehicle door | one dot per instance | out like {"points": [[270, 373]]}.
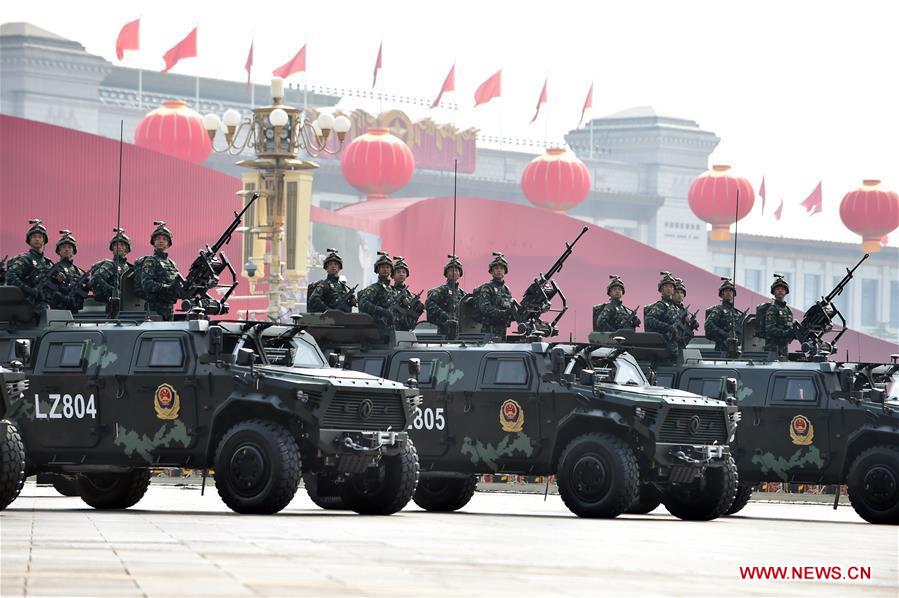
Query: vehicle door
{"points": [[430, 427]]}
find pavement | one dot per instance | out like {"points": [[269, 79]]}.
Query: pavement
{"points": [[176, 542]]}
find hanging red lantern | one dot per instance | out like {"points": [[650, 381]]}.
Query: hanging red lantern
{"points": [[556, 180], [377, 163], [871, 212], [713, 198], [176, 130]]}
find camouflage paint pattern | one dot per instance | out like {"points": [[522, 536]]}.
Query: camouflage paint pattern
{"points": [[769, 463], [488, 454]]}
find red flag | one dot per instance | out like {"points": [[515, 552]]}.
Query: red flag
{"points": [[249, 64], [814, 202], [128, 38], [588, 103], [449, 84], [779, 209], [762, 193], [374, 77], [297, 64], [186, 48], [540, 101], [489, 89]]}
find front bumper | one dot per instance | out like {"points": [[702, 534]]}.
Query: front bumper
{"points": [[691, 455], [355, 442]]}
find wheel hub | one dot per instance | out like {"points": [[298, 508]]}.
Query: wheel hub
{"points": [[591, 478], [881, 486], [247, 468]]}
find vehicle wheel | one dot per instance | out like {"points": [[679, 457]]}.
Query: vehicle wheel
{"points": [[874, 485], [706, 498], [12, 465], [67, 486], [386, 489], [444, 494], [744, 493], [257, 467], [114, 490], [648, 499], [598, 476], [323, 492]]}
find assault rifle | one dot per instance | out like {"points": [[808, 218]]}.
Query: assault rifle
{"points": [[407, 312], [633, 320], [537, 299], [685, 323], [349, 298], [206, 269], [733, 341], [818, 320]]}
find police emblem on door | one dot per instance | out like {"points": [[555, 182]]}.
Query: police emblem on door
{"points": [[802, 432], [167, 402], [511, 416]]}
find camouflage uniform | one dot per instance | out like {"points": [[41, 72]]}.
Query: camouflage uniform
{"points": [[724, 319], [778, 325], [405, 317], [661, 317], [613, 316], [330, 292], [106, 275], [70, 276], [691, 325], [157, 277], [25, 270], [493, 302], [443, 302], [376, 299]]}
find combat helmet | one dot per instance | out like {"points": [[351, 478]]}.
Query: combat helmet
{"points": [[453, 263], [36, 227], [779, 281], [615, 281], [161, 230], [727, 283], [498, 260], [666, 279], [383, 258], [67, 238], [680, 286], [332, 257], [399, 263], [120, 237]]}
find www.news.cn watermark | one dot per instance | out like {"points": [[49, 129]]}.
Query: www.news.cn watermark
{"points": [[807, 572]]}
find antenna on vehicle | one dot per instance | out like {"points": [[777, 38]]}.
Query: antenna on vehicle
{"points": [[733, 350], [115, 302], [452, 326]]}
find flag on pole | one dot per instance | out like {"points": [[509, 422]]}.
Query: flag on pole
{"points": [[128, 39], [489, 89], [814, 202], [588, 103], [297, 64], [762, 193], [186, 48], [779, 209], [540, 101], [449, 84], [249, 64], [374, 77]]}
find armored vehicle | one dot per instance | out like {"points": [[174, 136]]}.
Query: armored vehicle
{"points": [[12, 451], [532, 407]]}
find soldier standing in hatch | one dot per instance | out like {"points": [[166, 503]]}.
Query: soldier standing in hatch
{"points": [[25, 270], [493, 300], [724, 320], [157, 275], [613, 316], [330, 292], [443, 302], [660, 316], [410, 308], [64, 298], [106, 275], [377, 298], [690, 323], [778, 325]]}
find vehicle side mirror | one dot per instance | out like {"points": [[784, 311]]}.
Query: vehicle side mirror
{"points": [[586, 378], [245, 357], [415, 367], [23, 350], [729, 388], [216, 340], [333, 360]]}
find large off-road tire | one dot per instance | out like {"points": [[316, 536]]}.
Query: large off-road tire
{"points": [[12, 465], [874, 485], [648, 500], [323, 492], [706, 498], [598, 476], [65, 485], [109, 491], [744, 493], [386, 489], [257, 467], [444, 494]]}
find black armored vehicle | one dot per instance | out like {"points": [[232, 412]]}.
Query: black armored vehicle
{"points": [[12, 451]]}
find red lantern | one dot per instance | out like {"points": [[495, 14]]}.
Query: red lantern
{"points": [[870, 212], [557, 180], [377, 163], [713, 198], [176, 130]]}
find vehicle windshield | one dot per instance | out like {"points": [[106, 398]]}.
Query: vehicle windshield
{"points": [[627, 372], [306, 355], [893, 387]]}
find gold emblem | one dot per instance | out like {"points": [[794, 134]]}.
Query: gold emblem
{"points": [[511, 416], [802, 432], [167, 402]]}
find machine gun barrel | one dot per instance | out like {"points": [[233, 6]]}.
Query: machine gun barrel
{"points": [[842, 284], [226, 236], [565, 254]]}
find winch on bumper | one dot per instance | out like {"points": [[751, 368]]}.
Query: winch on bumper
{"points": [[355, 442], [683, 462]]}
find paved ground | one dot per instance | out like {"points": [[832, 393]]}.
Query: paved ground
{"points": [[176, 542]]}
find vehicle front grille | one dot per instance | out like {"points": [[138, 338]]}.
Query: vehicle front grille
{"points": [[361, 410], [693, 426]]}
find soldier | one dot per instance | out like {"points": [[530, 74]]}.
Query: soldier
{"points": [[377, 298], [27, 269], [156, 276], [612, 316], [660, 316], [106, 275], [331, 292], [689, 320], [493, 300], [777, 318], [724, 321], [409, 308], [443, 302], [72, 276]]}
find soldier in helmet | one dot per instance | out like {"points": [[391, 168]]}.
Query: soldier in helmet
{"points": [[690, 325], [443, 302], [409, 307], [493, 300], [25, 270], [106, 275], [724, 321], [330, 292], [72, 275], [612, 316], [777, 318], [156, 276], [661, 316], [377, 298]]}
